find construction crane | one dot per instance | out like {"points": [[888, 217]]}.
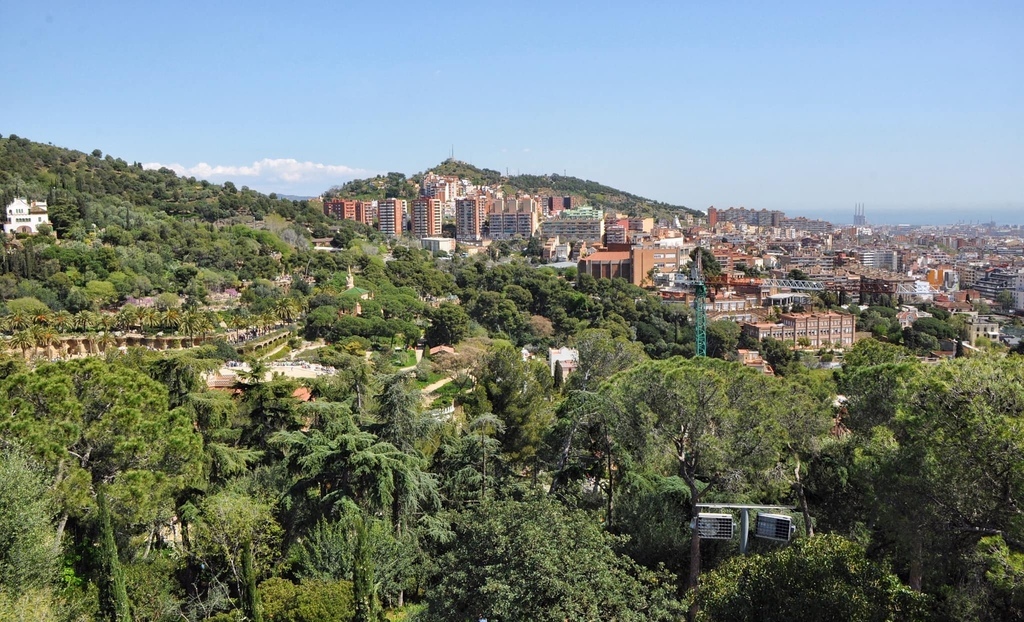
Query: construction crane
{"points": [[700, 292]]}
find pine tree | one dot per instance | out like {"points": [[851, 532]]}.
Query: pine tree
{"points": [[251, 603], [113, 592], [364, 589]]}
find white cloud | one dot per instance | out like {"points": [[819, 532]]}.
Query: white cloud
{"points": [[267, 172]]}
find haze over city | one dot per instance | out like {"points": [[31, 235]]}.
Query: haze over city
{"points": [[913, 109]]}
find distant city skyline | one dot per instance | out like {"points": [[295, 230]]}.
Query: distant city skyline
{"points": [[806, 107]]}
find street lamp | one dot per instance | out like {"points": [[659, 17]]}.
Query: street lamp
{"points": [[778, 527], [714, 526]]}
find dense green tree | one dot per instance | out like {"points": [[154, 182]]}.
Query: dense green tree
{"points": [[515, 390], [778, 354], [399, 417], [82, 422], [339, 464], [449, 324], [723, 337], [310, 601], [706, 416], [28, 540], [536, 560], [820, 578]]}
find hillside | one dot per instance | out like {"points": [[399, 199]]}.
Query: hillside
{"points": [[123, 231], [592, 192], [596, 194], [69, 180]]}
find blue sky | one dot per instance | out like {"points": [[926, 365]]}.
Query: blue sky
{"points": [[808, 107]]}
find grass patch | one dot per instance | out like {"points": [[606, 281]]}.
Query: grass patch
{"points": [[431, 379], [404, 358], [280, 354]]}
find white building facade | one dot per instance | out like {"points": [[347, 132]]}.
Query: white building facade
{"points": [[25, 217]]}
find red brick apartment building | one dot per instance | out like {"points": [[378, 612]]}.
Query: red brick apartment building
{"points": [[340, 209], [426, 217], [818, 328], [343, 209]]}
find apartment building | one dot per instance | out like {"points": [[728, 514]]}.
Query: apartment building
{"points": [[426, 217], [614, 233], [513, 218], [470, 216], [366, 212], [346, 209], [584, 224], [996, 280], [880, 258], [757, 218], [391, 216], [342, 209]]}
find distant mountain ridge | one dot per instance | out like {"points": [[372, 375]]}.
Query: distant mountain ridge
{"points": [[591, 192]]}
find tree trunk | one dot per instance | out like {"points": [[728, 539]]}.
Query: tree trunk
{"points": [[483, 479], [802, 499], [611, 487], [916, 564], [563, 456], [692, 581], [61, 524], [694, 577]]}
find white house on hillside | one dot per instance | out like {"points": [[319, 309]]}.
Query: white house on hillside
{"points": [[568, 358], [25, 217]]}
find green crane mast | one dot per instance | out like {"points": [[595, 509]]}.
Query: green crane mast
{"points": [[700, 292]]}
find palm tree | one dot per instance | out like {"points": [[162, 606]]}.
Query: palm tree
{"points": [[287, 309], [84, 321], [106, 321], [45, 338], [148, 318], [126, 317], [205, 323], [237, 321], [20, 321], [171, 319], [264, 321], [194, 323], [61, 321], [104, 340], [24, 340], [41, 318]]}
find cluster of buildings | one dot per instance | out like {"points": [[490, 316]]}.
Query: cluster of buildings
{"points": [[769, 261], [482, 214]]}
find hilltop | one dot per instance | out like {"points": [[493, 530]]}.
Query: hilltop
{"points": [[127, 232], [80, 187], [592, 192]]}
